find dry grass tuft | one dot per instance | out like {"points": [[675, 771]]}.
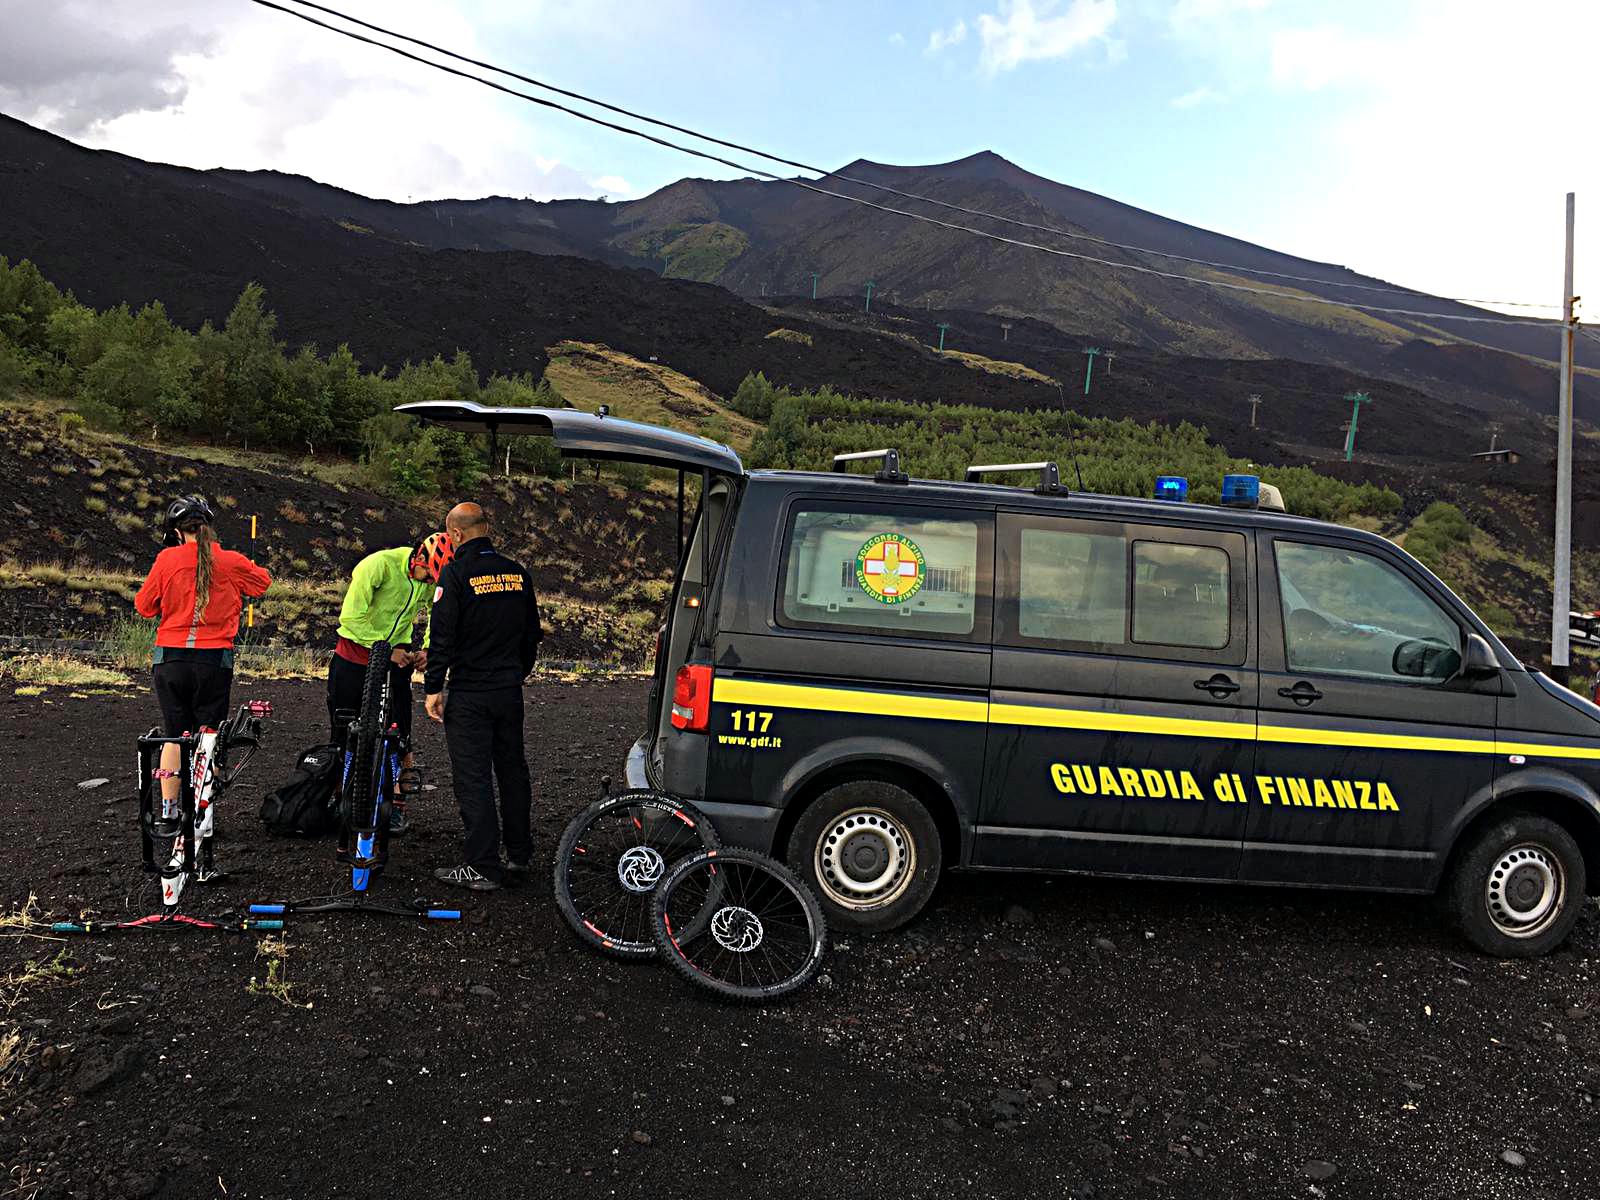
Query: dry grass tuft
{"points": [[57, 670]]}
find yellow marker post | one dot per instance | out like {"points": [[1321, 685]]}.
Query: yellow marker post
{"points": [[250, 610]]}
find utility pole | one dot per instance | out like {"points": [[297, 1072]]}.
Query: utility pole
{"points": [[1255, 403], [943, 325], [1091, 351], [1561, 600], [869, 295], [813, 285], [1356, 400], [1005, 331]]}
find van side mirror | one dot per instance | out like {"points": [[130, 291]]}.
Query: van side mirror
{"points": [[1481, 661], [1426, 658]]}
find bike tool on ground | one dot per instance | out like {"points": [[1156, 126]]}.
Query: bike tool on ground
{"points": [[196, 589], [387, 592], [484, 636]]}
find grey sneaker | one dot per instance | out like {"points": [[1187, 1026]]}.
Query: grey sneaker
{"points": [[518, 870], [398, 821], [466, 877]]}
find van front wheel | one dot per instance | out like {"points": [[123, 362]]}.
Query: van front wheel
{"points": [[871, 851], [1518, 889]]}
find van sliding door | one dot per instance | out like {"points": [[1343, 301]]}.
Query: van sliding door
{"points": [[1122, 716]]}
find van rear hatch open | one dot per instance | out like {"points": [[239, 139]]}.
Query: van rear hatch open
{"points": [[602, 436], [585, 435]]}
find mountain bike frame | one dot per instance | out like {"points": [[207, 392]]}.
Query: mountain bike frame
{"points": [[366, 834], [204, 773]]}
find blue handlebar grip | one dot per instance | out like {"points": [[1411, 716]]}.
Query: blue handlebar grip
{"points": [[66, 927], [268, 908], [443, 914], [266, 924]]}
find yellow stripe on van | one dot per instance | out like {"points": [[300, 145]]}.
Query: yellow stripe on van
{"points": [[1541, 750], [1041, 717], [1370, 740], [848, 700], [1037, 716]]}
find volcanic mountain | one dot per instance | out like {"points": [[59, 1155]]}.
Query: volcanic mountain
{"points": [[763, 238]]}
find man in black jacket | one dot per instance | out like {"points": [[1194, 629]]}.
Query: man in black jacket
{"points": [[485, 635]]}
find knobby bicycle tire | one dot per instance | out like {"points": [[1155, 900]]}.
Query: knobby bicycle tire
{"points": [[609, 860], [764, 934], [366, 763]]}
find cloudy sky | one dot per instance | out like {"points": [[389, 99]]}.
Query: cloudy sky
{"points": [[1429, 142]]}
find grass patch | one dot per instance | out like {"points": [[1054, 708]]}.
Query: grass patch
{"points": [[588, 375], [128, 522], [793, 335], [275, 983], [995, 366], [94, 504], [59, 971], [57, 670], [259, 662]]}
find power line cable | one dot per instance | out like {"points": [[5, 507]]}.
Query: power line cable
{"points": [[927, 220], [882, 187]]}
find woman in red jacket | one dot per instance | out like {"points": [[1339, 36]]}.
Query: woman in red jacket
{"points": [[197, 589]]}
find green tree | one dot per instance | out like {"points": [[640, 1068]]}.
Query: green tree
{"points": [[252, 362]]}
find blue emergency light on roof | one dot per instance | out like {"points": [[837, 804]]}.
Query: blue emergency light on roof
{"points": [[1241, 491], [1172, 487]]}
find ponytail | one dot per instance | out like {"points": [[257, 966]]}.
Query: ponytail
{"points": [[204, 540]]}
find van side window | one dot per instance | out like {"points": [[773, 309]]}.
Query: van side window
{"points": [[1180, 595], [1073, 587], [1347, 613], [883, 571]]}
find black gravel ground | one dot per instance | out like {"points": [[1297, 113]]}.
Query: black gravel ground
{"points": [[1027, 1037]]}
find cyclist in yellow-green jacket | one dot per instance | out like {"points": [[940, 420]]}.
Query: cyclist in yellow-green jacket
{"points": [[388, 591]]}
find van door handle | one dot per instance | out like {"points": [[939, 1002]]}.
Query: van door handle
{"points": [[1219, 685], [1301, 693]]}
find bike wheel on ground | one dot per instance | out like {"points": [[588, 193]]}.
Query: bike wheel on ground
{"points": [[610, 859], [740, 924]]}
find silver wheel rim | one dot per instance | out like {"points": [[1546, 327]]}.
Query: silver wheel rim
{"points": [[865, 859], [1526, 891]]}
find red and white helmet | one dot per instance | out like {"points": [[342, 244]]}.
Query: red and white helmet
{"points": [[433, 553]]}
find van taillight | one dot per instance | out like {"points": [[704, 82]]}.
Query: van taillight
{"points": [[691, 698]]}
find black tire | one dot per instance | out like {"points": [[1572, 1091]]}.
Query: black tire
{"points": [[605, 875], [739, 924], [1517, 890], [366, 763], [871, 852]]}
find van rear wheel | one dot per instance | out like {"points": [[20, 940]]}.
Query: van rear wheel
{"points": [[1518, 889], [871, 851]]}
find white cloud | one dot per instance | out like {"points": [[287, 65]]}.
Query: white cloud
{"points": [[942, 39], [1451, 152], [1314, 58], [239, 86], [897, 38], [1021, 33], [1186, 14], [1192, 99]]}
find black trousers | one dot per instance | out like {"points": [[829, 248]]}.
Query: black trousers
{"points": [[191, 694], [484, 733], [345, 680]]}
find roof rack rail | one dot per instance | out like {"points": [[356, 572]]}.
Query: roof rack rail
{"points": [[1049, 475], [890, 472]]}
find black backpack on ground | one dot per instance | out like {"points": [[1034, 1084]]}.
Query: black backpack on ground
{"points": [[306, 805]]}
